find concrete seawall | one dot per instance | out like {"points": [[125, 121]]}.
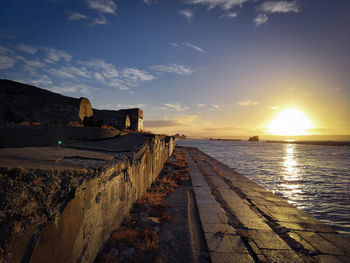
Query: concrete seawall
{"points": [[61, 204], [244, 222]]}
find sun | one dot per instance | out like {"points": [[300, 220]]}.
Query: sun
{"points": [[290, 122]]}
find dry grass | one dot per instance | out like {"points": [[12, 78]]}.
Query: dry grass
{"points": [[128, 236], [150, 241], [143, 240]]}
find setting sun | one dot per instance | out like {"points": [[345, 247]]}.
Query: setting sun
{"points": [[290, 122]]}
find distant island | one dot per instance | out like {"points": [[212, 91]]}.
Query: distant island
{"points": [[235, 140], [253, 139], [178, 136]]}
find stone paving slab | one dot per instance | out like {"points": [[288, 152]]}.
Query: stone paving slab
{"points": [[244, 222]]}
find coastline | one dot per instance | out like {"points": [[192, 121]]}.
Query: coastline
{"points": [[327, 143]]}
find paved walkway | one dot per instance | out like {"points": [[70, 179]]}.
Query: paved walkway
{"points": [[244, 222]]}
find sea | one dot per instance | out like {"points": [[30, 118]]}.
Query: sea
{"points": [[315, 178]]}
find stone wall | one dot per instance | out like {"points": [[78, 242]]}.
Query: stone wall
{"points": [[20, 102], [57, 214], [122, 119]]}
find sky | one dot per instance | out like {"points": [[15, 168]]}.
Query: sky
{"points": [[204, 68]]}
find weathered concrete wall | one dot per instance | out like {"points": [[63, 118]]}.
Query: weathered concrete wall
{"points": [[122, 119], [36, 136], [21, 102], [57, 214]]}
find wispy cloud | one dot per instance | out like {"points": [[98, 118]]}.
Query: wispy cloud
{"points": [[102, 20], [189, 45], [270, 7], [223, 4], [184, 120], [6, 62], [216, 107], [173, 68], [27, 48], [106, 70], [6, 35], [77, 16], [229, 15], [261, 19], [187, 13], [102, 6], [55, 55], [280, 7], [4, 50], [247, 103], [135, 75], [150, 2], [176, 106]]}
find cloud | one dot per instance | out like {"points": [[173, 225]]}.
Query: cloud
{"points": [[129, 106], [149, 2], [216, 107], [187, 13], [109, 75], [280, 7], [229, 15], [77, 16], [246, 103], [34, 63], [42, 81], [27, 48], [4, 50], [189, 45], [201, 105], [176, 106], [107, 70], [184, 120], [137, 75], [102, 6], [6, 62], [173, 68], [71, 88], [159, 123], [55, 55], [102, 20], [61, 73], [270, 7], [261, 19], [58, 66], [223, 4]]}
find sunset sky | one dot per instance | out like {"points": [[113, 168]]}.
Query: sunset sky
{"points": [[204, 68]]}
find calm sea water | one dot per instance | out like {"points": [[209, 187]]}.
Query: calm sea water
{"points": [[312, 177]]}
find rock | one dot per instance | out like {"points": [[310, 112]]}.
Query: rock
{"points": [[253, 139], [128, 253]]}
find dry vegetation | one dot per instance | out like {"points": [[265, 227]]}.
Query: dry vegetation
{"points": [[137, 239], [201, 158]]}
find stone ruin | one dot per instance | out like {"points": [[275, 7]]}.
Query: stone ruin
{"points": [[21, 103]]}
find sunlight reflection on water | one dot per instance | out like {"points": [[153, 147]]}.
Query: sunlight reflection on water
{"points": [[292, 188], [312, 177]]}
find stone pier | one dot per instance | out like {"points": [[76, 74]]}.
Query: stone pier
{"points": [[243, 222], [61, 203]]}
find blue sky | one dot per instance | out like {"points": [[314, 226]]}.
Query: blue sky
{"points": [[219, 68]]}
